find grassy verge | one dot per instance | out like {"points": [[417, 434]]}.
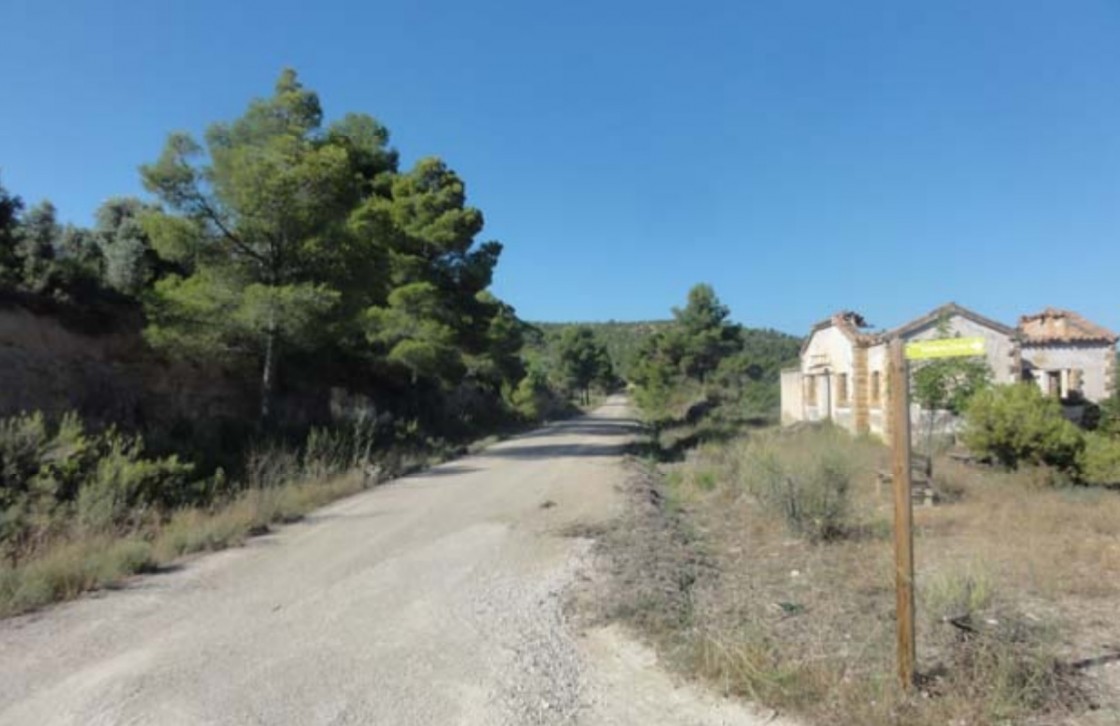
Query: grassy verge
{"points": [[281, 489], [763, 565], [81, 564]]}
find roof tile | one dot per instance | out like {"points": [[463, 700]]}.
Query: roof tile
{"points": [[1054, 325]]}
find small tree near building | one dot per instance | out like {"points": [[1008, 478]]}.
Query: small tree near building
{"points": [[1017, 424], [947, 384]]}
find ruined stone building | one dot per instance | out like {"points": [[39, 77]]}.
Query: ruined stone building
{"points": [[842, 374]]}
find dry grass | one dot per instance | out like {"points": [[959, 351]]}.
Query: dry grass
{"points": [[70, 569], [1030, 574], [81, 564], [1049, 542], [279, 487]]}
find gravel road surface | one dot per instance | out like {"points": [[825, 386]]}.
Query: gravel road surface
{"points": [[435, 599]]}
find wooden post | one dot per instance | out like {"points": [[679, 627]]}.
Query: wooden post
{"points": [[903, 511]]}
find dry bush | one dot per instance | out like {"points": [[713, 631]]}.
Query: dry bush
{"points": [[194, 530], [959, 593], [91, 562], [70, 569], [806, 479], [808, 626], [79, 513], [1050, 542], [271, 465]]}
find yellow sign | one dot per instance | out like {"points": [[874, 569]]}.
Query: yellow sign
{"points": [[945, 348]]}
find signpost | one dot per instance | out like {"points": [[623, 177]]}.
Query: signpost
{"points": [[903, 512], [900, 471], [945, 348]]}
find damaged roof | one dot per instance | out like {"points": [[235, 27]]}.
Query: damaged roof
{"points": [[946, 311], [1054, 325], [847, 322]]}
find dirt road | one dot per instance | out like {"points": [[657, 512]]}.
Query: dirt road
{"points": [[436, 599]]}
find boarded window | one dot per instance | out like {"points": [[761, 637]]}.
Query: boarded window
{"points": [[876, 388], [1076, 376], [841, 389]]}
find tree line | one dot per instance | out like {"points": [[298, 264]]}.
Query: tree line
{"points": [[700, 355], [296, 248]]}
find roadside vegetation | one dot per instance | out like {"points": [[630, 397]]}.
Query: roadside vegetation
{"points": [[623, 340], [760, 559], [708, 373], [81, 510], [295, 257], [784, 593]]}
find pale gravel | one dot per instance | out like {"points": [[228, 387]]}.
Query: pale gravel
{"points": [[436, 599]]}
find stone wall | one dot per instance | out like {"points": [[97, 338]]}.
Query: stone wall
{"points": [[792, 407], [1093, 361], [1001, 350], [827, 355], [1110, 386]]}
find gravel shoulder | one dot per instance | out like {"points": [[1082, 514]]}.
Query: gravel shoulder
{"points": [[435, 599]]}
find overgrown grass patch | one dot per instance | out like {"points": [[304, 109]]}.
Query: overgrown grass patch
{"points": [[71, 569], [86, 563], [1016, 580], [280, 486], [958, 593]]}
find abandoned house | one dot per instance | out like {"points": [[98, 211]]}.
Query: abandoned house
{"points": [[842, 374]]}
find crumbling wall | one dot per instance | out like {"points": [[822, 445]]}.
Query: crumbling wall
{"points": [[1091, 361]]}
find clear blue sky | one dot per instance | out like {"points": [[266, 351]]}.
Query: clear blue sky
{"points": [[800, 156]]}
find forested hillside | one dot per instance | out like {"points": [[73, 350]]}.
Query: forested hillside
{"points": [[348, 296], [291, 263], [698, 353], [623, 340], [703, 356], [299, 253]]}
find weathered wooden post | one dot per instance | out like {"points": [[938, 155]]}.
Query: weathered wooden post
{"points": [[900, 474], [903, 511]]}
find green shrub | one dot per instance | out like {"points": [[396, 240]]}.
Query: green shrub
{"points": [[949, 383], [40, 473], [807, 479], [1108, 416], [1099, 461], [535, 399], [527, 398], [24, 441], [1018, 424], [124, 485], [50, 474]]}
